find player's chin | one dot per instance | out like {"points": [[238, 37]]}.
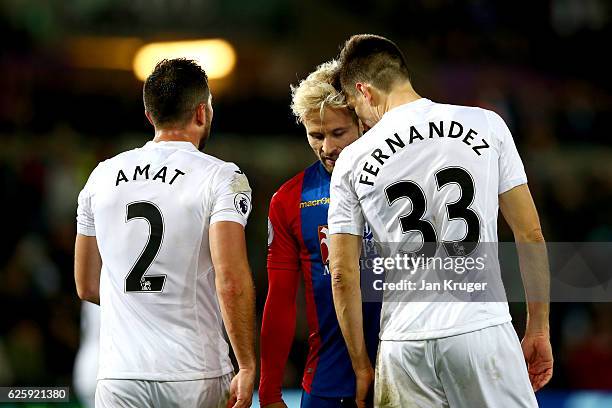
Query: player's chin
{"points": [[329, 164]]}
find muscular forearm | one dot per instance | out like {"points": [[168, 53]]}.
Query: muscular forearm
{"points": [[88, 290], [519, 210], [237, 301], [533, 261], [347, 301]]}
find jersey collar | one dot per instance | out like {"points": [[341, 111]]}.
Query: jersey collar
{"points": [[403, 109], [408, 107], [174, 145]]}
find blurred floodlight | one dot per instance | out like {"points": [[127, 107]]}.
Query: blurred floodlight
{"points": [[113, 53], [216, 56]]}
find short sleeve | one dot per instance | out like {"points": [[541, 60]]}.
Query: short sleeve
{"points": [[85, 216], [231, 195], [345, 215], [511, 170]]}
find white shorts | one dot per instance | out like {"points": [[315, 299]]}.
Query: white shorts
{"points": [[207, 393], [483, 368], [85, 370]]}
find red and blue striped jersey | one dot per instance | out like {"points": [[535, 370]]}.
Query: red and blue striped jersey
{"points": [[298, 245]]}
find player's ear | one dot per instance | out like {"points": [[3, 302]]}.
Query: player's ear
{"points": [[200, 114], [360, 87], [148, 115], [366, 91]]}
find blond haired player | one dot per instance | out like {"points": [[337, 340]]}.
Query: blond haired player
{"points": [[298, 247]]}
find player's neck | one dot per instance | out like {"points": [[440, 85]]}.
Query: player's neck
{"points": [[176, 135], [400, 95]]}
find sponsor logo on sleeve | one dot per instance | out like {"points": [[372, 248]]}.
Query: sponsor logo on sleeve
{"points": [[242, 204]]}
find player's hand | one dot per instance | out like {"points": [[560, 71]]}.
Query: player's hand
{"points": [[241, 389], [538, 355], [363, 393], [280, 404]]}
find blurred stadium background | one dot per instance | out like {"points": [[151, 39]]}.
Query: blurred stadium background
{"points": [[70, 97]]}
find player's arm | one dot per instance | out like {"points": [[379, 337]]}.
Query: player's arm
{"points": [[235, 288], [344, 265], [236, 294], [346, 224], [231, 205], [279, 315], [519, 210], [87, 260], [87, 267]]}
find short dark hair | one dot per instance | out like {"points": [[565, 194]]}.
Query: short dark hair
{"points": [[373, 59], [173, 91]]}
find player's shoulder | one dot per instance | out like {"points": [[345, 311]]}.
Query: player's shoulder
{"points": [[202, 160], [111, 162], [290, 187], [491, 117], [218, 168], [119, 157], [211, 166], [449, 108], [207, 158], [477, 117], [290, 191]]}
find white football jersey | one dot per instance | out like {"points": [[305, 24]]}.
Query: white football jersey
{"points": [[150, 209], [429, 172]]}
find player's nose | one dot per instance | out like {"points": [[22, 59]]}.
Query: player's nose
{"points": [[330, 147]]}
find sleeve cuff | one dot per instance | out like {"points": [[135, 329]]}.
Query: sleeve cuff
{"points": [[510, 184], [346, 229], [228, 217], [87, 231]]}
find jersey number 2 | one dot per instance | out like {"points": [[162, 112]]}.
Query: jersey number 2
{"points": [[457, 210], [136, 280]]}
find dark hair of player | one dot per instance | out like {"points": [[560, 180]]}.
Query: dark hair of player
{"points": [[173, 91], [373, 59]]}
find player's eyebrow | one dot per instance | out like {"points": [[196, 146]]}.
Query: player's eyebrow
{"points": [[315, 134], [340, 129]]}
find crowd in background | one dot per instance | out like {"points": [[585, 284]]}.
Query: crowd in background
{"points": [[557, 106]]}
